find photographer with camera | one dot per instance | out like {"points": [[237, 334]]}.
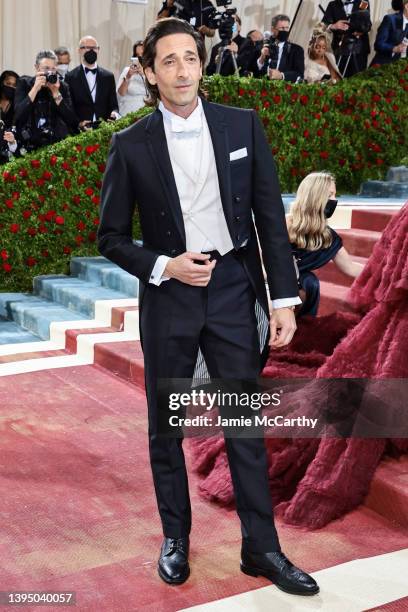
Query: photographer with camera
{"points": [[8, 142], [227, 66], [93, 89], [131, 84], [391, 42], [195, 12], [43, 107], [249, 53], [280, 59], [349, 22]]}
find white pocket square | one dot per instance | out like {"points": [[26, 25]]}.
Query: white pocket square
{"points": [[238, 154]]}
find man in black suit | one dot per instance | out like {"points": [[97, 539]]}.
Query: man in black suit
{"points": [[350, 44], [197, 172], [280, 59], [393, 31], [227, 66], [43, 111], [93, 88]]}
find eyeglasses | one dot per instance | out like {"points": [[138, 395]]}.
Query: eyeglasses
{"points": [[90, 48]]}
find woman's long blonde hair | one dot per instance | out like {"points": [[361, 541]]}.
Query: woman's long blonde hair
{"points": [[308, 229]]}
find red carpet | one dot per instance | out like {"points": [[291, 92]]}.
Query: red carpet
{"points": [[78, 510]]}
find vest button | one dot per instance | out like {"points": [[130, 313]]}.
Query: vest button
{"points": [[168, 233], [237, 218], [162, 213], [173, 252], [237, 199], [238, 237]]}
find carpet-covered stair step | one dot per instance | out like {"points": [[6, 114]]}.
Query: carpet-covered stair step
{"points": [[333, 298], [388, 493], [374, 220], [332, 274], [100, 271], [123, 359], [35, 314], [12, 333], [359, 242], [75, 294]]}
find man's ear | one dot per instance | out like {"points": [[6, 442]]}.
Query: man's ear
{"points": [[151, 77]]}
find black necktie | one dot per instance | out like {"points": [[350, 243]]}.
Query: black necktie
{"points": [[93, 70]]}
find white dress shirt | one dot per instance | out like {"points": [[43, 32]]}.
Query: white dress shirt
{"points": [[91, 78], [280, 51], [187, 141], [404, 26]]}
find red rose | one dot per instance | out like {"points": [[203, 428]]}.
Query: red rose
{"points": [[338, 98], [226, 98], [277, 99], [376, 98], [59, 220], [375, 123], [324, 154], [266, 104], [319, 132], [306, 134], [46, 175], [23, 173], [65, 165], [325, 108], [42, 229], [292, 141], [67, 250], [241, 92], [92, 236], [89, 191], [31, 231], [79, 240], [320, 92], [304, 99], [379, 161], [288, 87], [4, 254], [293, 171], [9, 203], [27, 214], [50, 215], [96, 200], [395, 107], [40, 182], [67, 184], [98, 184], [29, 183], [342, 162], [65, 207], [31, 262], [86, 163], [96, 221], [14, 228], [76, 199], [101, 168], [16, 195], [7, 267], [41, 198], [81, 226], [305, 153], [35, 163], [318, 116], [388, 120], [45, 253], [280, 117], [78, 147], [294, 97], [81, 180], [9, 178], [53, 160]]}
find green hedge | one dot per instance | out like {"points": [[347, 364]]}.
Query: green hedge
{"points": [[49, 200]]}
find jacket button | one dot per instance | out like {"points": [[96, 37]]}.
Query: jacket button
{"points": [[162, 213], [237, 199], [173, 251], [238, 237], [168, 233], [237, 218]]}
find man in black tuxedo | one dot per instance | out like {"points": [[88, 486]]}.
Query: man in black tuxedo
{"points": [[280, 59], [347, 39], [198, 171], [227, 66], [393, 31], [93, 89]]}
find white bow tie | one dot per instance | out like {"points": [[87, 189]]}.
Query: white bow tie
{"points": [[191, 125]]}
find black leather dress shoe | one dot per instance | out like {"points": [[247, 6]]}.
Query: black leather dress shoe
{"points": [[173, 564], [277, 568]]}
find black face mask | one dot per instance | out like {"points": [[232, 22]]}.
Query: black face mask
{"points": [[330, 208], [282, 36], [8, 92], [90, 57]]}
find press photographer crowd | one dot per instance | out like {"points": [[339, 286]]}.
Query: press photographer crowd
{"points": [[56, 101]]}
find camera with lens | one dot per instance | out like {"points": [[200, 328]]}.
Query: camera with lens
{"points": [[51, 77], [223, 21], [359, 21]]}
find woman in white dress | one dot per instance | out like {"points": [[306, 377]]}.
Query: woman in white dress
{"points": [[131, 85], [320, 63]]}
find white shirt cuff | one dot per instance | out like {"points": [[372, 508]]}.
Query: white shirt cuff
{"points": [[285, 302], [156, 276], [260, 66], [116, 114], [12, 147]]}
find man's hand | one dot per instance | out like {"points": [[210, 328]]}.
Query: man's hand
{"points": [[233, 47], [340, 25], [85, 124], [186, 271], [275, 74], [264, 54], [399, 48], [206, 31], [282, 327], [9, 137]]}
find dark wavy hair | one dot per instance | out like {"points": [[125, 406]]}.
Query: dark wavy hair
{"points": [[166, 27]]}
